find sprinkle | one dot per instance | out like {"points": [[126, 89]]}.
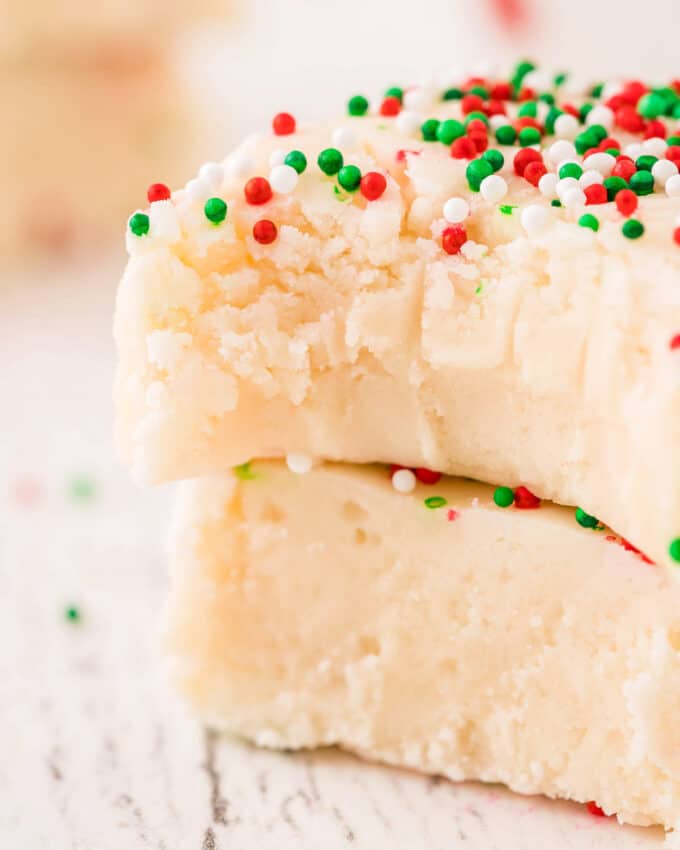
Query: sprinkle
{"points": [[345, 138], [566, 126], [158, 192], [277, 157], [574, 197], [525, 500], [453, 238], [503, 497], [244, 472], [139, 224], [357, 105], [264, 231], [506, 135], [674, 344], [589, 221], [674, 550], [626, 202], [299, 462], [429, 129], [373, 185], [476, 171], [72, 614], [349, 177], [403, 481], [197, 189], [463, 148], [456, 210], [507, 209], [82, 489], [642, 183], [534, 172], [570, 169], [212, 174], [296, 160], [427, 476], [595, 810], [27, 492], [663, 170], [241, 165], [547, 185], [257, 191], [283, 179], [450, 130], [408, 121], [676, 235], [493, 188], [633, 229], [452, 515], [283, 124], [433, 502], [535, 219], [215, 210], [330, 161], [673, 186], [586, 520], [390, 107]]}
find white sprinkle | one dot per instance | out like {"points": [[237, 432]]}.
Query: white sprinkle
{"points": [[535, 219], [408, 121], [565, 184], [574, 197], [345, 138], [496, 121], [404, 481], [611, 88], [164, 221], [212, 173], [655, 146], [634, 150], [663, 170], [601, 114], [283, 179], [299, 462], [547, 185], [197, 189], [542, 110], [589, 178], [567, 126], [277, 157], [601, 161], [241, 165], [561, 151], [493, 188], [456, 210], [673, 186], [419, 98]]}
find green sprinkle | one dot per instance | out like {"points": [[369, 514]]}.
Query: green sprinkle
{"points": [[584, 110], [495, 159], [330, 161], [673, 140], [547, 97], [449, 130], [349, 177], [585, 140], [72, 614], [476, 116], [651, 105], [215, 210], [598, 131], [244, 472], [590, 221], [139, 224], [82, 489], [570, 169], [586, 520], [506, 135], [429, 130], [528, 109], [555, 202], [476, 171], [503, 497], [560, 79], [596, 90], [613, 185], [674, 550], [632, 228], [452, 94], [645, 162], [529, 136], [395, 91], [520, 72], [296, 160], [480, 91], [642, 183], [507, 209], [433, 502], [357, 105], [552, 116]]}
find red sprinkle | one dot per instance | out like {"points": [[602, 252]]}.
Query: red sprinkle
{"points": [[372, 185], [676, 235], [624, 168], [655, 129], [523, 158], [258, 191], [472, 103], [628, 118], [626, 202], [390, 106], [621, 541], [476, 126], [453, 238], [427, 476], [525, 500], [534, 171], [283, 124], [673, 153], [501, 91], [495, 107], [401, 154], [480, 141], [264, 231], [463, 148], [594, 809], [595, 194], [452, 515], [158, 192], [675, 343]]}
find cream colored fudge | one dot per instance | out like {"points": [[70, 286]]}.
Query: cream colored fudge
{"points": [[516, 346], [460, 639]]}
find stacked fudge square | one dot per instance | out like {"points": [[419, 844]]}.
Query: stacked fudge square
{"points": [[421, 369]]}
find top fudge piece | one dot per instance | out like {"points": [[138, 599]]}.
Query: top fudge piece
{"points": [[482, 280]]}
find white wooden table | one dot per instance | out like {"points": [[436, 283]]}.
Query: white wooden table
{"points": [[95, 752]]}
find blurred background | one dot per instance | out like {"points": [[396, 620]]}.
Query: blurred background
{"points": [[100, 99]]}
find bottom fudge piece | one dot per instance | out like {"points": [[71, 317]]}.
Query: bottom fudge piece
{"points": [[432, 629]]}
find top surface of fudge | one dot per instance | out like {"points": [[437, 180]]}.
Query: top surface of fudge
{"points": [[482, 278]]}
